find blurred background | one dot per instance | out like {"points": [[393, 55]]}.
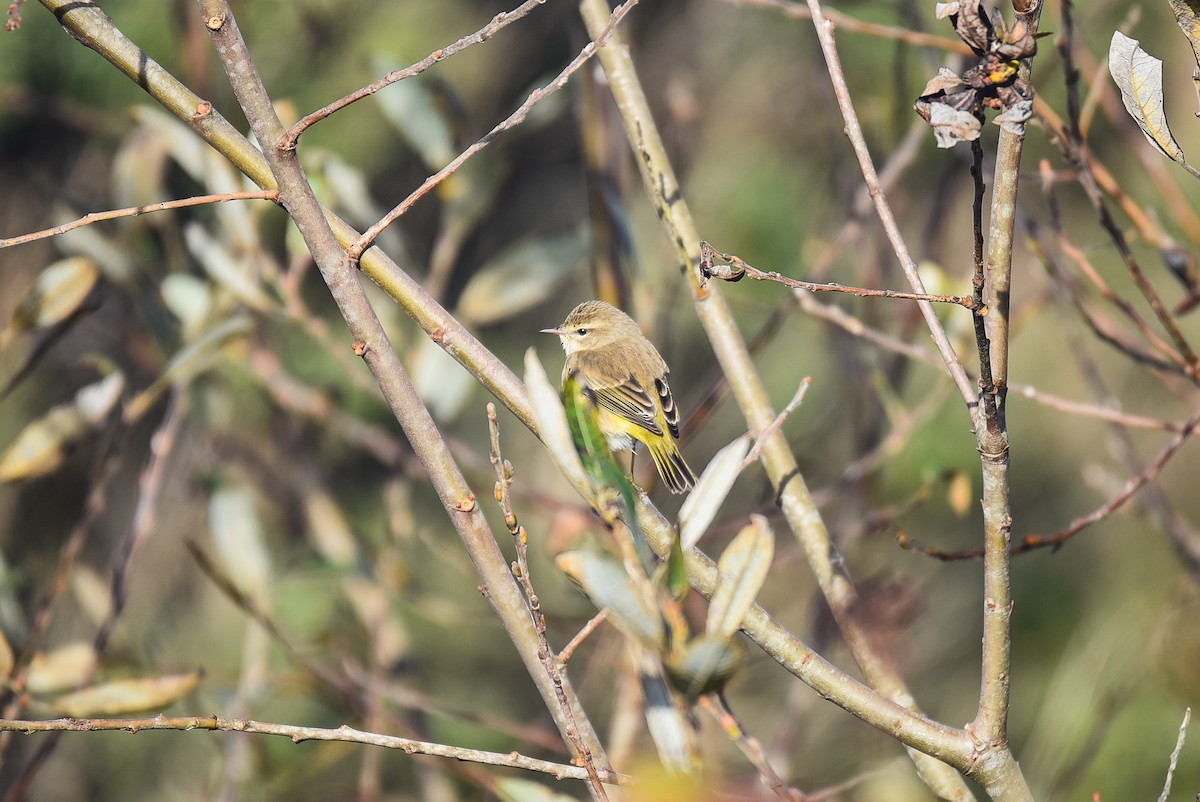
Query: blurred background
{"points": [[280, 465]]}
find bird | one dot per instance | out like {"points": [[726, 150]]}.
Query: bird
{"points": [[621, 371]]}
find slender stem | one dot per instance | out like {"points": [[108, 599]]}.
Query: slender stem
{"points": [[296, 195], [299, 734], [134, 211], [727, 267]]}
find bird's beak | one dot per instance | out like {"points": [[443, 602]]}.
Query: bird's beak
{"points": [[559, 332]]}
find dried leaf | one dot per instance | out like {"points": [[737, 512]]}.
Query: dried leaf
{"points": [[669, 726], [415, 112], [959, 492], [138, 172], [125, 696], [515, 789], [328, 530], [742, 569], [703, 503], [444, 385], [240, 540], [1013, 119], [93, 594], [1187, 16], [524, 276], [974, 26], [943, 10], [61, 668], [1139, 77], [950, 125], [58, 293], [945, 80], [42, 446], [190, 299], [234, 272], [6, 658]]}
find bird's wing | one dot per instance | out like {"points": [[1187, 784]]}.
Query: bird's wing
{"points": [[629, 400], [670, 411]]}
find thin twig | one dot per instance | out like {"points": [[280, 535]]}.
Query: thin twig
{"points": [[1132, 486], [727, 267], [94, 507], [761, 437], [580, 636], [668, 199], [749, 746], [296, 734], [1179, 741], [133, 211], [516, 118], [498, 22], [554, 668], [372, 343], [1058, 539], [846, 22]]}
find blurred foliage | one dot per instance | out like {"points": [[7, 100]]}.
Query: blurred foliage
{"points": [[284, 468]]}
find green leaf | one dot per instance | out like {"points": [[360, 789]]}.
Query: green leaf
{"points": [[677, 580], [604, 579], [704, 665]]}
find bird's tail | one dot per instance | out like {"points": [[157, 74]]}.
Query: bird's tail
{"points": [[671, 465]]}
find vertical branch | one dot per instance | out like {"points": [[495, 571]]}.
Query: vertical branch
{"points": [[991, 432], [296, 195]]}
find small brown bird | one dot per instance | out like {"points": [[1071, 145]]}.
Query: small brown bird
{"points": [[622, 372]]}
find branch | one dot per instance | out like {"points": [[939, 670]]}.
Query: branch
{"points": [[343, 734], [847, 23], [514, 119], [498, 22], [727, 267], [133, 211], [372, 343]]}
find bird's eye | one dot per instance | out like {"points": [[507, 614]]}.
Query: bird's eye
{"points": [[581, 331]]}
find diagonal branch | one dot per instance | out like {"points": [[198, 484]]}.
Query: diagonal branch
{"points": [[296, 195]]}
